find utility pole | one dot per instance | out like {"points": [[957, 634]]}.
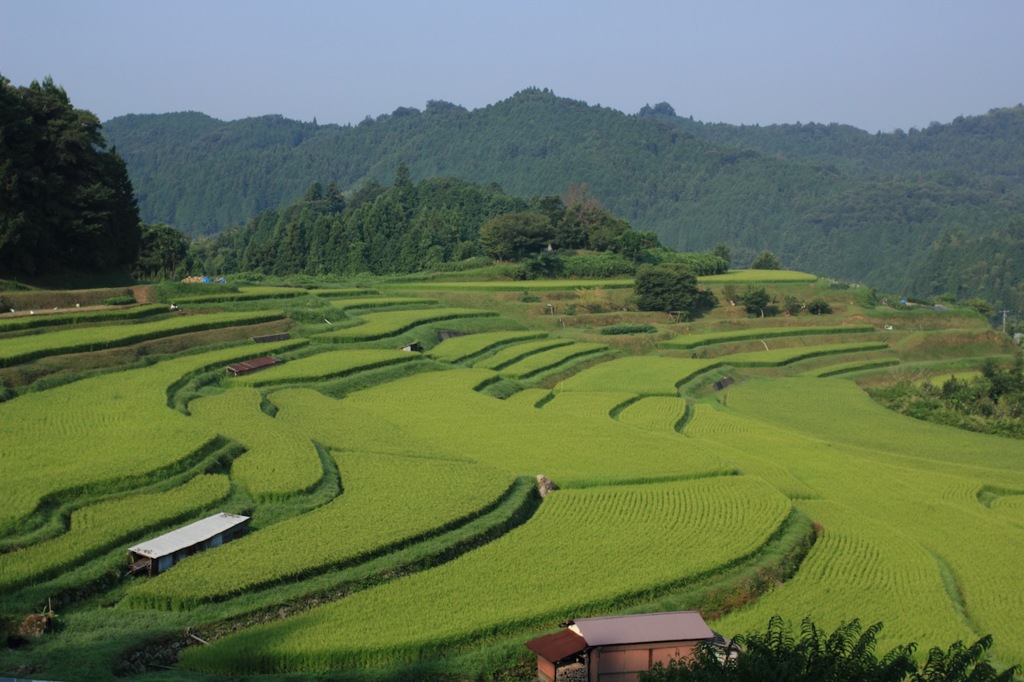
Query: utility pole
{"points": [[1004, 319]]}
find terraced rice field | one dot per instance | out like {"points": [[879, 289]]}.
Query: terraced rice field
{"points": [[532, 285], [526, 441], [529, 397], [98, 527], [785, 356], [375, 302], [458, 348], [517, 351], [662, 483], [279, 462], [875, 568], [589, 404], [24, 348], [75, 317], [656, 413], [698, 340], [344, 292], [328, 365], [392, 323], [387, 500], [654, 536], [897, 487], [91, 418], [209, 293], [643, 375], [848, 367], [550, 359]]}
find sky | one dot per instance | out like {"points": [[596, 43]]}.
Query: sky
{"points": [[877, 65]]}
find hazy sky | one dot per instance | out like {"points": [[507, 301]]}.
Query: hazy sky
{"points": [[878, 65]]}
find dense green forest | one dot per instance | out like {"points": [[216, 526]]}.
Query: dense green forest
{"points": [[436, 224], [829, 199], [980, 151], [65, 201]]}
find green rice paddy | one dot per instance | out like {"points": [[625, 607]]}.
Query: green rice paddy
{"points": [[374, 476]]}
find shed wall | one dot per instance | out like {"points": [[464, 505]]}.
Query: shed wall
{"points": [[624, 663]]}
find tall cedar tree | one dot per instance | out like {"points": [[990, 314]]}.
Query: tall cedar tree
{"points": [[65, 202]]}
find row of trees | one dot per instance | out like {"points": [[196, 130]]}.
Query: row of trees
{"points": [[66, 202], [414, 227], [574, 221]]}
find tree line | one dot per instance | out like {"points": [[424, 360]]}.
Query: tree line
{"points": [[436, 224]]}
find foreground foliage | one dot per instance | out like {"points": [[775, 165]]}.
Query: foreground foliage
{"points": [[844, 655]]}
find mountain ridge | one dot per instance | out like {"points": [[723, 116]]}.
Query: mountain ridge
{"points": [[859, 206]]}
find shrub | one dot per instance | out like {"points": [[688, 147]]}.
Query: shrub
{"points": [[757, 301], [545, 265], [766, 260], [598, 265], [792, 305], [819, 306], [671, 287], [702, 264], [983, 307], [629, 329]]}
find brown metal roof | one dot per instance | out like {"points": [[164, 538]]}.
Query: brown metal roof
{"points": [[557, 646], [643, 627]]}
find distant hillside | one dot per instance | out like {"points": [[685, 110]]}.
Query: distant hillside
{"points": [[828, 199], [981, 151]]}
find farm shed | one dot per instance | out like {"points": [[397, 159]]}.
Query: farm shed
{"points": [[617, 648], [157, 555], [240, 368]]}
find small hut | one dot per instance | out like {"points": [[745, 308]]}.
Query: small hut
{"points": [[246, 366], [157, 555], [618, 647]]}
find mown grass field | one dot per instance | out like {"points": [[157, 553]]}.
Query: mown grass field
{"points": [[394, 530]]}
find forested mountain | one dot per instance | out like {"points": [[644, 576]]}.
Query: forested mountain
{"points": [[982, 151], [828, 199]]}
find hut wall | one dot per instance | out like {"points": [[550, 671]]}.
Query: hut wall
{"points": [[624, 663], [545, 670]]}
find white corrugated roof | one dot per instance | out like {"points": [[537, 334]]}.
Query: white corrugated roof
{"points": [[642, 627], [189, 535]]}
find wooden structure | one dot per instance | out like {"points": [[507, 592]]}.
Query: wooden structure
{"points": [[157, 555], [618, 648], [246, 366]]}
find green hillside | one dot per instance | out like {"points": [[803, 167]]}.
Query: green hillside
{"points": [[824, 198], [396, 527]]}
